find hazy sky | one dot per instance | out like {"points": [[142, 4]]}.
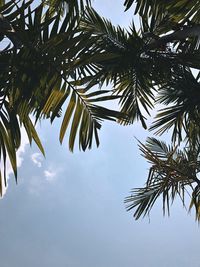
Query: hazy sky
{"points": [[67, 210]]}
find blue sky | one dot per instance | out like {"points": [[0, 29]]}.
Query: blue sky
{"points": [[67, 209]]}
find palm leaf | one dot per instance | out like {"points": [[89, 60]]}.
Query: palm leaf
{"points": [[172, 171], [26, 89], [181, 95]]}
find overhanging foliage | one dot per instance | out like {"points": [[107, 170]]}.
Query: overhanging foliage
{"points": [[72, 49]]}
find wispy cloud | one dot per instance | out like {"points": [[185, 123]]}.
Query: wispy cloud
{"points": [[38, 184], [37, 159], [50, 175]]}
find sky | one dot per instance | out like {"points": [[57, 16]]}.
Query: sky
{"points": [[67, 209]]}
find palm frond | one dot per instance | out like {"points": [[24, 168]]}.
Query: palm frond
{"points": [[73, 8], [173, 10], [181, 96], [40, 89], [172, 171], [195, 202], [26, 89], [116, 55]]}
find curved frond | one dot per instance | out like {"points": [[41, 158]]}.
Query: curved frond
{"points": [[172, 171], [81, 114], [181, 97]]}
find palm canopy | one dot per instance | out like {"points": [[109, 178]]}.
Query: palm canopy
{"points": [[174, 26], [50, 40], [148, 66], [140, 69], [72, 49]]}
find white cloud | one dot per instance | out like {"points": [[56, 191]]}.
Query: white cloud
{"points": [[38, 184], [37, 159], [50, 175]]}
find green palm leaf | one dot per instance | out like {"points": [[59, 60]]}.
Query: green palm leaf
{"points": [[181, 96], [172, 173], [27, 89]]}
